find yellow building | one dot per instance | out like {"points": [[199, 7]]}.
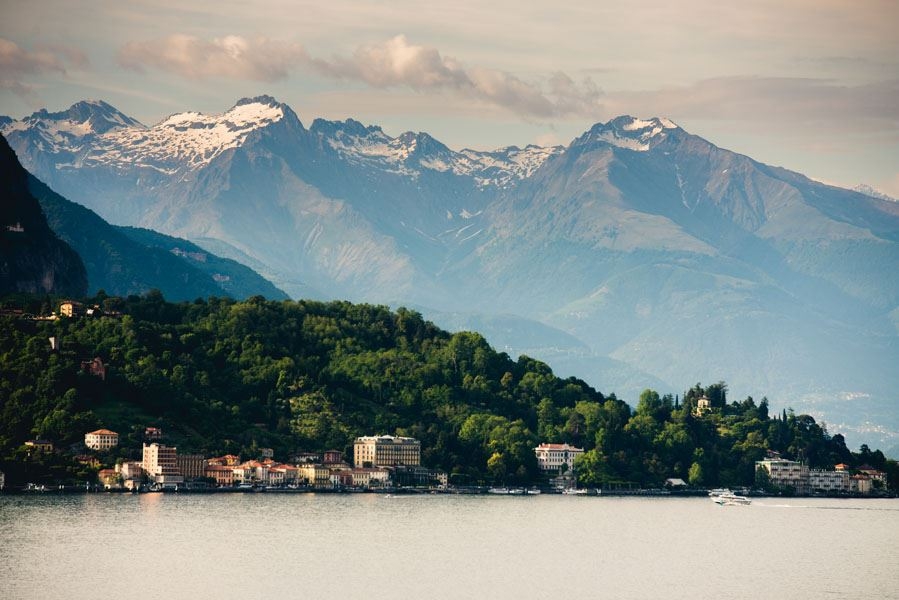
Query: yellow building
{"points": [[101, 439], [315, 475], [386, 451], [40, 445]]}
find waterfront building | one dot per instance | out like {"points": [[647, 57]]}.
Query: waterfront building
{"points": [[252, 471], [109, 478], [370, 477], [878, 478], [860, 484], [551, 457], [160, 462], [386, 451], [828, 482], [786, 473], [131, 470], [223, 475], [191, 466], [101, 439], [315, 475]]}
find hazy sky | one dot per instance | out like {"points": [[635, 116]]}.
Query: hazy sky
{"points": [[811, 85]]}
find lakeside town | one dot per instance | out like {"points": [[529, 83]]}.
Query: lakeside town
{"points": [[393, 463]]}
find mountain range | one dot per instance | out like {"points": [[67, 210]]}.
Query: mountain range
{"points": [[637, 255]]}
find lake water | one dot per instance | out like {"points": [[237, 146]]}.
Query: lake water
{"points": [[370, 546]]}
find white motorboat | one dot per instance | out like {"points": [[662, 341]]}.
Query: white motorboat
{"points": [[731, 499]]}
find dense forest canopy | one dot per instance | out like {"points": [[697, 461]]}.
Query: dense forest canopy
{"points": [[221, 376]]}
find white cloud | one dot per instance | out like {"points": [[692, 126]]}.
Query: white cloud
{"points": [[17, 64], [232, 57], [398, 63]]}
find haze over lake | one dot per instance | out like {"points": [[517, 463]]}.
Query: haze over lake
{"points": [[424, 546]]}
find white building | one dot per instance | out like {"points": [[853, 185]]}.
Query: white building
{"points": [[786, 473], [827, 482], [101, 439], [386, 451], [160, 463], [551, 457]]}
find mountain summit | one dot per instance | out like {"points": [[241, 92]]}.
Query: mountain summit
{"points": [[668, 258]]}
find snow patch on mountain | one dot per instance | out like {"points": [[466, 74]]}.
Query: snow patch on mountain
{"points": [[411, 154], [630, 133], [95, 133]]}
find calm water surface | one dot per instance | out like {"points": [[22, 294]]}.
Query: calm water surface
{"points": [[372, 546]]}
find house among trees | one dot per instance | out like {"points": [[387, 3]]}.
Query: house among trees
{"points": [[94, 367], [101, 439], [555, 458], [40, 445], [71, 308], [703, 405]]}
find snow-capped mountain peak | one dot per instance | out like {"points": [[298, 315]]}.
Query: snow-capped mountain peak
{"points": [[85, 117], [630, 132]]}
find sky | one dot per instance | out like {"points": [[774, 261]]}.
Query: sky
{"points": [[810, 85]]}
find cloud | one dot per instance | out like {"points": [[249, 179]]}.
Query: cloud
{"points": [[233, 57], [398, 63], [393, 63], [17, 63]]}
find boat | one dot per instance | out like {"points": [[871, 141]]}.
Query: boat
{"points": [[574, 492], [731, 499], [504, 491]]}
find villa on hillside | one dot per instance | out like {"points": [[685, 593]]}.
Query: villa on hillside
{"points": [[101, 439], [552, 457]]}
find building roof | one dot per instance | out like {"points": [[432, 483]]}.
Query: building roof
{"points": [[102, 432], [558, 447]]}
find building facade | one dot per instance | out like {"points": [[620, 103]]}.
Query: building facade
{"points": [[315, 475], [101, 439], [40, 445], [786, 473], [191, 466], [551, 457], [160, 463], [827, 482], [386, 451]]}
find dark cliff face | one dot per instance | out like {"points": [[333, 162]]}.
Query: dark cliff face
{"points": [[32, 258]]}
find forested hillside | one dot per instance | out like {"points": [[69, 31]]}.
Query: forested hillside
{"points": [[221, 376]]}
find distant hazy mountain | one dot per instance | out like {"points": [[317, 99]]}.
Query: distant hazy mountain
{"points": [[32, 258], [637, 251], [126, 260]]}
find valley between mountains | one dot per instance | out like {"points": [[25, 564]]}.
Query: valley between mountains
{"points": [[639, 255]]}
